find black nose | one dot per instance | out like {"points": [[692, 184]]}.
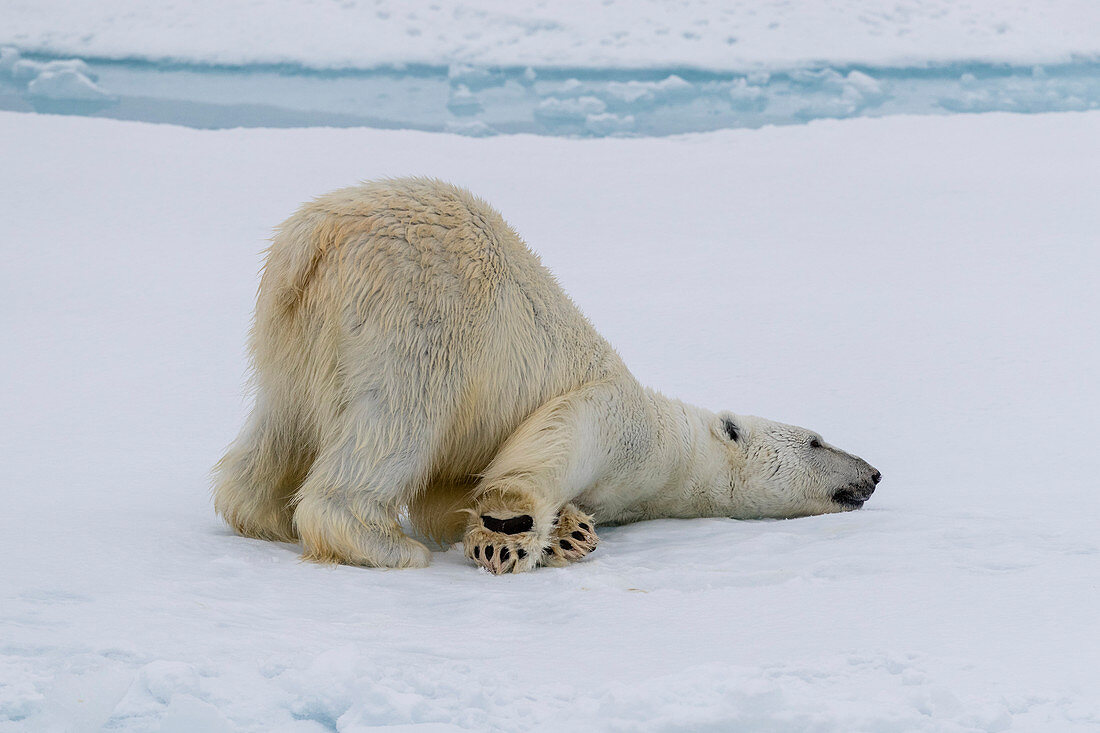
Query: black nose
{"points": [[876, 477]]}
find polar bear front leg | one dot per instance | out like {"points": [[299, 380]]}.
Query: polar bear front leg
{"points": [[523, 501]]}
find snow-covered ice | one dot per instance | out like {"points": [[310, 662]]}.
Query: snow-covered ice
{"points": [[701, 34], [922, 290], [66, 84]]}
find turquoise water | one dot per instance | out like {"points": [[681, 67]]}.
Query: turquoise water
{"points": [[549, 101]]}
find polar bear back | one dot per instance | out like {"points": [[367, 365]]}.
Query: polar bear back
{"points": [[417, 295]]}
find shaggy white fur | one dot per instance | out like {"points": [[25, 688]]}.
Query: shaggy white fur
{"points": [[411, 353]]}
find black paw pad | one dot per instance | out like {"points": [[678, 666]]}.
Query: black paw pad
{"points": [[578, 536], [565, 545], [521, 553], [584, 526], [488, 552], [477, 552], [504, 554], [515, 525]]}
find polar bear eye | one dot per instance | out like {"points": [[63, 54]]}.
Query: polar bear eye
{"points": [[815, 443]]}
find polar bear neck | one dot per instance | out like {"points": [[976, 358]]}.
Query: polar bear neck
{"points": [[699, 485], [685, 472]]}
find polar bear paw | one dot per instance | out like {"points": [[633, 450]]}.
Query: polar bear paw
{"points": [[503, 545], [513, 544], [573, 537]]}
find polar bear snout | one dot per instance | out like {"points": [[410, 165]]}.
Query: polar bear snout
{"points": [[856, 493]]}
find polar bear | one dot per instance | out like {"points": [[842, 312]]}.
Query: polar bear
{"points": [[412, 354]]}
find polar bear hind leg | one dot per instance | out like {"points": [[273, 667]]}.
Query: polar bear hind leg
{"points": [[366, 472], [259, 475]]}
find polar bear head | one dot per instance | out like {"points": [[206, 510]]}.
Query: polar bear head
{"points": [[780, 470]]}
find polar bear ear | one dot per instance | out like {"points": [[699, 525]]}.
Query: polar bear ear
{"points": [[729, 427]]}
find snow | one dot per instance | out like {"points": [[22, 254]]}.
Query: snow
{"points": [[919, 289], [68, 79], [26, 70], [707, 34], [66, 84]]}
